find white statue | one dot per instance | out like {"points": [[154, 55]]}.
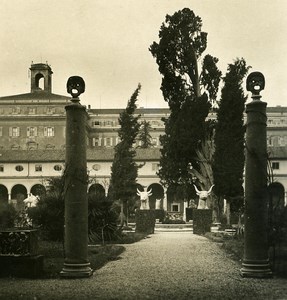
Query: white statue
{"points": [[144, 198], [202, 197], [31, 200], [157, 203]]}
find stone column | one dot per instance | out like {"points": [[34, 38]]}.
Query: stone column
{"points": [[164, 205], [75, 191], [256, 260], [185, 205]]}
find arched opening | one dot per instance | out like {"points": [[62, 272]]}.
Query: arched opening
{"points": [[39, 81], [38, 190], [18, 194], [97, 191], [3, 194], [156, 199], [276, 193], [276, 202]]}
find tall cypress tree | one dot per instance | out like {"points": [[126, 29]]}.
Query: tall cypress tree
{"points": [[188, 92], [228, 164], [144, 135], [124, 171]]}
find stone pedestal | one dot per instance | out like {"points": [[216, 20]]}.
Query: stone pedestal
{"points": [[202, 220], [76, 204], [145, 221], [189, 213], [159, 214], [256, 260]]}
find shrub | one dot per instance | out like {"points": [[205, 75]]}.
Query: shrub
{"points": [[49, 216], [102, 220], [8, 215]]}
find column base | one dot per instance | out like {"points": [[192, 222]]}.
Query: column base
{"points": [[256, 269], [76, 271]]}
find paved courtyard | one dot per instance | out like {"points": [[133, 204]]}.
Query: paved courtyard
{"points": [[166, 265]]}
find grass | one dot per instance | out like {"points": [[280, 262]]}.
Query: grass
{"points": [[98, 254], [233, 245]]}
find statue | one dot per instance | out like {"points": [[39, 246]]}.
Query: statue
{"points": [[31, 200], [144, 198], [202, 197], [157, 203]]}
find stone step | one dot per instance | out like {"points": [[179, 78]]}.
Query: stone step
{"points": [[159, 227]]}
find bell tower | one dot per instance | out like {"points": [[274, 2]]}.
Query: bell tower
{"points": [[41, 78]]}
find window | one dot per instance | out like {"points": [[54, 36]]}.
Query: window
{"points": [[175, 207], [154, 141], [96, 123], [49, 131], [16, 110], [49, 110], [58, 168], [38, 168], [109, 142], [96, 142], [19, 168], [1, 168], [14, 131], [31, 131], [275, 165], [96, 167], [32, 110]]}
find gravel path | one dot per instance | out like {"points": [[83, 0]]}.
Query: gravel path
{"points": [[166, 265]]}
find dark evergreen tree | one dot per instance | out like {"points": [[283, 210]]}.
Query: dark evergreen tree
{"points": [[228, 165], [144, 135], [177, 54], [124, 170]]}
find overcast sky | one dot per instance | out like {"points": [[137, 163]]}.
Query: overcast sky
{"points": [[106, 42]]}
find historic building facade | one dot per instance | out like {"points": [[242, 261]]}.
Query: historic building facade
{"points": [[32, 143]]}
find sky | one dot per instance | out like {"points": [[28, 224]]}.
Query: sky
{"points": [[106, 43]]}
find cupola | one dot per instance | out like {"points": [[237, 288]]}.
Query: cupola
{"points": [[41, 78]]}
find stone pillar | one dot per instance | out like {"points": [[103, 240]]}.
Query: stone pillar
{"points": [[164, 205], [185, 206], [256, 260], [75, 191]]}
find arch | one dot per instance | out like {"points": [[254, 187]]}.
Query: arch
{"points": [[38, 190], [3, 194], [18, 194], [276, 203], [39, 81], [97, 190], [276, 193], [157, 193]]}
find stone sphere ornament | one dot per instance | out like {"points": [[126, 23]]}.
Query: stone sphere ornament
{"points": [[255, 83], [75, 86]]}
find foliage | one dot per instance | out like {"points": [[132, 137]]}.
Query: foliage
{"points": [[49, 216], [144, 135], [228, 163], [102, 220], [124, 170], [7, 215], [177, 54]]}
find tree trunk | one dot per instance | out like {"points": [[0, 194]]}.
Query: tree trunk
{"points": [[123, 217], [228, 212]]}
